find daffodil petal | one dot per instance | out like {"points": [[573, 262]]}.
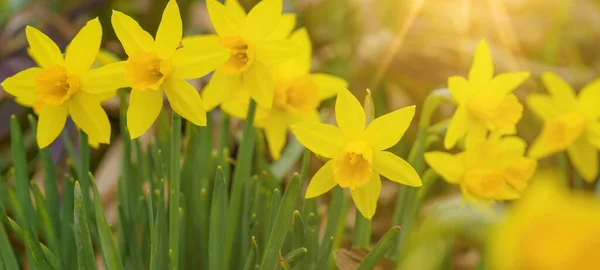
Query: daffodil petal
{"points": [[262, 20], [584, 158], [260, 85], [21, 85], [224, 22], [285, 27], [169, 31], [561, 91], [321, 182], [349, 115], [133, 38], [43, 50], [82, 52], [276, 51], [457, 127], [321, 139], [185, 100], [593, 133], [543, 106], [237, 106], [459, 88], [236, 10], [589, 99], [449, 166], [219, 89], [51, 121], [329, 85], [385, 131], [365, 197], [191, 62], [395, 169], [482, 69], [88, 115], [144, 108], [539, 149], [276, 133], [505, 83], [105, 79]]}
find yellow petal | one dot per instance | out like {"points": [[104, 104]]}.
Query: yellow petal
{"points": [[21, 85], [395, 169], [276, 133], [285, 27], [224, 22], [593, 133], [43, 49], [482, 69], [321, 139], [457, 127], [543, 106], [262, 20], [276, 51], [237, 106], [459, 88], [168, 35], [508, 113], [519, 173], [349, 115], [133, 38], [385, 131], [365, 197], [584, 158], [185, 100], [505, 83], [219, 89], [540, 149], [144, 108], [257, 80], [236, 10], [321, 182], [589, 99], [105, 79], [192, 62], [561, 91], [329, 85], [88, 115], [51, 122], [82, 52], [449, 166]]}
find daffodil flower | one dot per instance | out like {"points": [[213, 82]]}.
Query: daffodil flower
{"points": [[357, 153], [549, 228], [484, 101], [490, 169], [59, 87], [297, 96], [571, 123], [253, 43]]}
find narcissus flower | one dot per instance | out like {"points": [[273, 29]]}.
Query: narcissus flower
{"points": [[571, 123], [253, 43], [63, 86], [357, 154], [490, 169], [297, 96], [484, 101], [548, 229]]}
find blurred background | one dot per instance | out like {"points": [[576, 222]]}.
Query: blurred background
{"points": [[400, 49]]}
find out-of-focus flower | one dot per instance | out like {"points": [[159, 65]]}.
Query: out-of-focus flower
{"points": [[484, 101], [60, 86], [550, 229], [357, 153], [297, 96], [571, 123], [490, 169], [253, 44]]}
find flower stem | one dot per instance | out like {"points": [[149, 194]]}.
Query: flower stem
{"points": [[174, 191], [563, 167]]}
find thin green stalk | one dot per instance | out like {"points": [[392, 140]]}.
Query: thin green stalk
{"points": [[380, 249], [6, 250], [85, 251], [84, 163], [44, 219], [325, 253], [251, 257], [18, 151], [563, 166], [218, 213], [361, 234], [111, 255], [67, 240], [174, 191], [294, 257]]}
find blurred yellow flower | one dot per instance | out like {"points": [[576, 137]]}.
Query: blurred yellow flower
{"points": [[570, 123], [297, 96], [357, 153], [253, 43], [484, 101], [490, 169], [549, 229], [59, 86]]}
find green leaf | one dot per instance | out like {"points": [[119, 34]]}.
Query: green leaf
{"points": [[18, 151], [85, 251], [111, 255], [218, 215], [361, 234], [381, 248], [275, 201], [298, 230], [6, 250], [251, 257], [67, 240], [291, 259], [325, 253], [45, 223], [174, 191]]}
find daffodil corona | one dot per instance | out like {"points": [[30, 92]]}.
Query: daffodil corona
{"points": [[357, 154], [63, 86], [571, 123], [484, 101]]}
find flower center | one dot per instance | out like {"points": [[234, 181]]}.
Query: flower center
{"points": [[484, 183], [563, 130], [55, 85], [297, 96], [242, 55], [144, 70], [354, 167], [495, 111]]}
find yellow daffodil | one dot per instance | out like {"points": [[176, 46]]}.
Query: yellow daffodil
{"points": [[357, 154], [60, 86], [253, 43], [548, 229], [484, 101], [490, 169], [571, 123], [297, 96]]}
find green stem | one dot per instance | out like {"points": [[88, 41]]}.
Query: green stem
{"points": [[361, 235], [174, 191], [563, 166]]}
